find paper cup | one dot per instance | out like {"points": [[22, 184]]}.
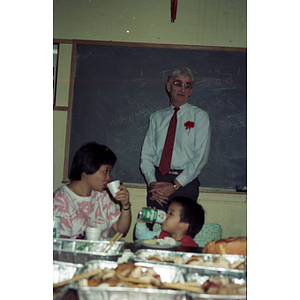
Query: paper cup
{"points": [[113, 187], [93, 234]]}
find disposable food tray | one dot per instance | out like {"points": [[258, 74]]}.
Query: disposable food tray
{"points": [[193, 296], [143, 254], [82, 251], [63, 271], [170, 274]]}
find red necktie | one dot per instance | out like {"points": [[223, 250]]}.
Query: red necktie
{"points": [[165, 161]]}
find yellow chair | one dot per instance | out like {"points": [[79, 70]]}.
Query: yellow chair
{"points": [[209, 232]]}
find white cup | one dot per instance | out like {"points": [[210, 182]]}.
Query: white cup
{"points": [[113, 187], [93, 233]]}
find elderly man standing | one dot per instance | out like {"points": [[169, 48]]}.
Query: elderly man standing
{"points": [[176, 145]]}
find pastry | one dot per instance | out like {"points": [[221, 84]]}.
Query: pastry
{"points": [[227, 246]]}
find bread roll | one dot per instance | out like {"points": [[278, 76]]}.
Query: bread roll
{"points": [[195, 260], [155, 258], [177, 259], [227, 246]]}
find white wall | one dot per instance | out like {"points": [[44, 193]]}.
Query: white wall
{"points": [[198, 22]]}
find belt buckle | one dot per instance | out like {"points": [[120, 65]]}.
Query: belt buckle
{"points": [[173, 172]]}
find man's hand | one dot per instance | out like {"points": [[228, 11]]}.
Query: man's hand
{"points": [[161, 191]]}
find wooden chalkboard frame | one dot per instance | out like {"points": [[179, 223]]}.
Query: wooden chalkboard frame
{"points": [[122, 44]]}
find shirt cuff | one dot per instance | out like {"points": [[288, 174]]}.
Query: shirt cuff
{"points": [[182, 180], [150, 179], [141, 225]]}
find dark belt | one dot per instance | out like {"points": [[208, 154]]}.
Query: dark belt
{"points": [[171, 172]]}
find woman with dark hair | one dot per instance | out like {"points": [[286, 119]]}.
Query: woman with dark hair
{"points": [[84, 202]]}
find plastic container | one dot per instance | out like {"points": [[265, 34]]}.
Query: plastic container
{"points": [[92, 233], [56, 226]]}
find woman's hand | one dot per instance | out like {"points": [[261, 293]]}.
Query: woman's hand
{"points": [[124, 221], [123, 196]]}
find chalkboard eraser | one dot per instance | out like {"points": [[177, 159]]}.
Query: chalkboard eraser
{"points": [[241, 188]]}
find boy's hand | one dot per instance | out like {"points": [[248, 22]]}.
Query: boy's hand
{"points": [[146, 221]]}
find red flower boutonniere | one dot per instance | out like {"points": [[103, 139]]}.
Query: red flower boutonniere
{"points": [[189, 124]]}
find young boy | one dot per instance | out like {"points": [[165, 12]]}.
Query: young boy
{"points": [[185, 219]]}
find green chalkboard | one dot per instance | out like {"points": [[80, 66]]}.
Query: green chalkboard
{"points": [[116, 88]]}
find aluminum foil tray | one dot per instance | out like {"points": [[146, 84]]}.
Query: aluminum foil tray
{"points": [[143, 254], [82, 251], [216, 297], [196, 277], [122, 293], [168, 274], [63, 271]]}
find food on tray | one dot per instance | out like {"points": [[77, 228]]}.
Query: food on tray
{"points": [[214, 262], [126, 274], [227, 246], [155, 257], [195, 260], [164, 241], [223, 285], [130, 275], [175, 259]]}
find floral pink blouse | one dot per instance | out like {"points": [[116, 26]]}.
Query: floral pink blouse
{"points": [[77, 213]]}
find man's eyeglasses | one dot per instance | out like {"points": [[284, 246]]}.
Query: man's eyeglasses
{"points": [[180, 84]]}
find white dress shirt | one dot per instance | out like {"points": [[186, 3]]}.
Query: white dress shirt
{"points": [[191, 146]]}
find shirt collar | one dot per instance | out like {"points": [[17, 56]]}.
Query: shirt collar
{"points": [[182, 107]]}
